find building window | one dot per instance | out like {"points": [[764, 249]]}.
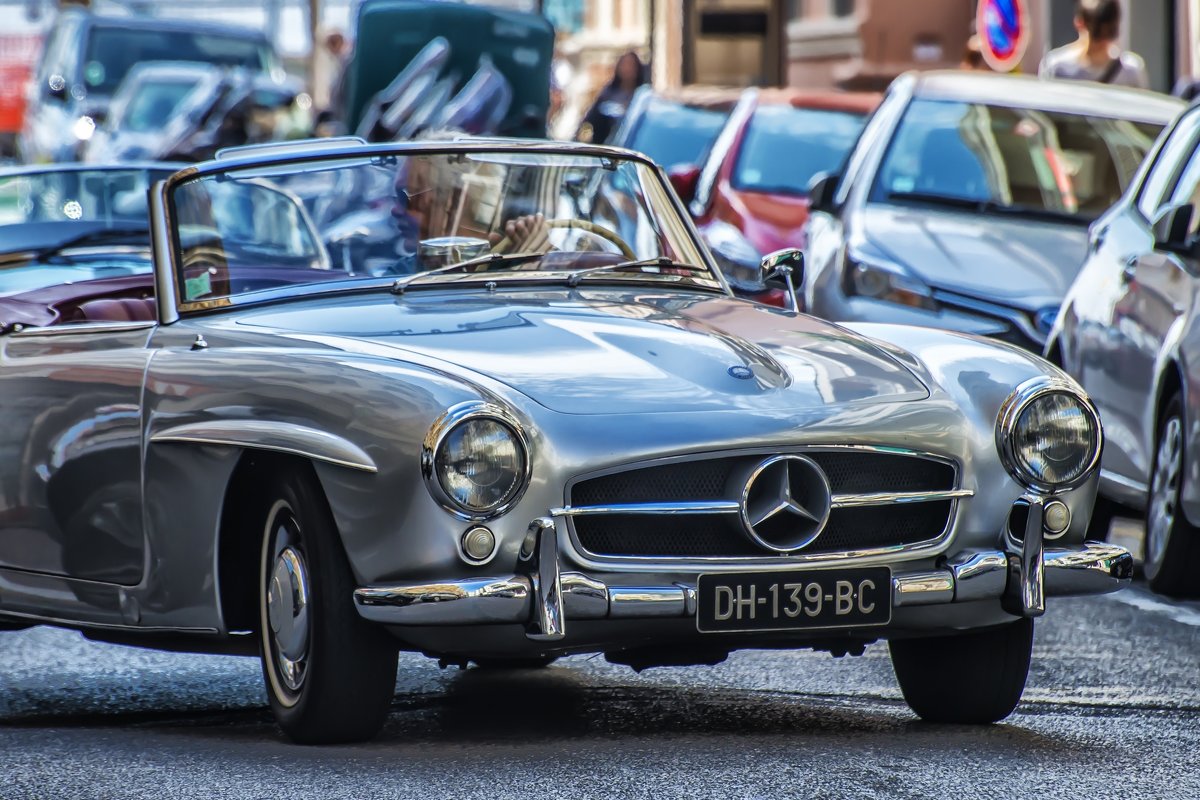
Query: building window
{"points": [[842, 8], [565, 15]]}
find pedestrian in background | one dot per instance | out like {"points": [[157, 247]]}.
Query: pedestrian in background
{"points": [[1095, 55], [609, 106], [972, 57]]}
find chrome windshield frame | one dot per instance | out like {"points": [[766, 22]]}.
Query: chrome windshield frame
{"points": [[166, 242]]}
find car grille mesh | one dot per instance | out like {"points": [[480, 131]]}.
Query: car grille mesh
{"points": [[722, 536]]}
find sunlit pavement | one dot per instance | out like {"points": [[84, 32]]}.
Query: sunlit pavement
{"points": [[1112, 709]]}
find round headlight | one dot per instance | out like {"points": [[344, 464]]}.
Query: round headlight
{"points": [[478, 461], [1049, 435]]}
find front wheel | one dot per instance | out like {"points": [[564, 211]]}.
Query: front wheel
{"points": [[1172, 551], [330, 674], [973, 678]]}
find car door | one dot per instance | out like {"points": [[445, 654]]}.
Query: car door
{"points": [[70, 484], [1154, 289]]}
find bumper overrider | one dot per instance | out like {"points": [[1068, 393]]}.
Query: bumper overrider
{"points": [[543, 597]]}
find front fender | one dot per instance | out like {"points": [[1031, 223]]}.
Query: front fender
{"points": [[978, 375]]}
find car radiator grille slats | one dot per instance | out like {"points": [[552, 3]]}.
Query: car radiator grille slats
{"points": [[716, 535]]}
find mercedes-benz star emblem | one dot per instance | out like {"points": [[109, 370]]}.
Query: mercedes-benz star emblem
{"points": [[786, 503]]}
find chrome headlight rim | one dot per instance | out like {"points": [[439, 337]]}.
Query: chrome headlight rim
{"points": [[1006, 426], [448, 422]]}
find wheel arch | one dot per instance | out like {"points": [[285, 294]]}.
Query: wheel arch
{"points": [[239, 538]]}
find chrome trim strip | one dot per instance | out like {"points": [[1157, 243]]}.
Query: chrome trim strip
{"points": [[82, 328], [1091, 568], [281, 437], [627, 602], [1097, 569], [978, 574], [684, 507], [163, 254], [888, 498], [922, 588]]}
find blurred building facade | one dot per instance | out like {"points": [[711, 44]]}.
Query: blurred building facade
{"points": [[864, 44]]}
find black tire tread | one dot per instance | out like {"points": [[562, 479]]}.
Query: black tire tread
{"points": [[968, 678], [351, 676], [1179, 573]]}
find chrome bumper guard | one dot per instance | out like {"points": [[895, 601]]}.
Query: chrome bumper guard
{"points": [[544, 598]]}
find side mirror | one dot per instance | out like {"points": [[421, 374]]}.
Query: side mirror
{"points": [[683, 180], [1171, 229], [789, 265], [821, 190]]}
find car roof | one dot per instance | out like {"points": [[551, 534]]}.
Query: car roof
{"points": [[1027, 91], [143, 22], [715, 98], [171, 69], [858, 102]]}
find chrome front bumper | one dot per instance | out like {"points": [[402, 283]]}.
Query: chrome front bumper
{"points": [[543, 599]]}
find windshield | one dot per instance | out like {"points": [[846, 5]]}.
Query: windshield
{"points": [[786, 146], [1011, 159], [112, 52], [73, 225], [358, 219], [672, 133], [153, 102]]}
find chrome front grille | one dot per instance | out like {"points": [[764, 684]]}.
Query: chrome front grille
{"points": [[690, 508]]}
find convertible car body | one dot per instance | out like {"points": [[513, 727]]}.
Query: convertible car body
{"points": [[521, 435]]}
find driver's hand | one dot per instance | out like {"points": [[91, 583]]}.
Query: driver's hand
{"points": [[527, 234]]}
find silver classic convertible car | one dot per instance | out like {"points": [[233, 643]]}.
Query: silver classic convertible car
{"points": [[493, 402]]}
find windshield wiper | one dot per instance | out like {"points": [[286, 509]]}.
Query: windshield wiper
{"points": [[934, 198], [1050, 214], [575, 277], [490, 260], [988, 206], [94, 237]]}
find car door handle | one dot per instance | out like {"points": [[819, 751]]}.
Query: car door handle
{"points": [[1098, 240]]}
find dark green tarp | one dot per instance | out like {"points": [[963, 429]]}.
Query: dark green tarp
{"points": [[521, 45]]}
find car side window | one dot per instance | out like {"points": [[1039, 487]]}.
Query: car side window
{"points": [[1187, 189], [1163, 174]]}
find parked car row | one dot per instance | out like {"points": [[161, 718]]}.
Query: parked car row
{"points": [[965, 204]]}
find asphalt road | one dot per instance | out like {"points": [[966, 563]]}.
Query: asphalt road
{"points": [[1112, 709]]}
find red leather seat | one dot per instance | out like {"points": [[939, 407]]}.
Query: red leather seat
{"points": [[119, 309]]}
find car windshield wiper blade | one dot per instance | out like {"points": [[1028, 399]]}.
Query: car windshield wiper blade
{"points": [[933, 198], [489, 260], [94, 237], [575, 277], [1033, 212]]}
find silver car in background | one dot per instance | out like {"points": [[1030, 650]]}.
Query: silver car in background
{"points": [[1129, 332], [523, 436], [966, 201]]}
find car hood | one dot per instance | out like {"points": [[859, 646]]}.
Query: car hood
{"points": [[1023, 263], [769, 221], [607, 351]]}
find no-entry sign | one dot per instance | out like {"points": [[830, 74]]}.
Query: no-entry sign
{"points": [[1003, 27]]}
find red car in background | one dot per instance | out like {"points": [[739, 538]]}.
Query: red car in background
{"points": [[750, 195]]}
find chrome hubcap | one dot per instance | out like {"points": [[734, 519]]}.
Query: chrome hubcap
{"points": [[287, 613], [1164, 490]]}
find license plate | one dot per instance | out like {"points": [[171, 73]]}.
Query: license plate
{"points": [[776, 601]]}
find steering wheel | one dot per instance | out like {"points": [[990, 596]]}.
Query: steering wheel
{"points": [[504, 244]]}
